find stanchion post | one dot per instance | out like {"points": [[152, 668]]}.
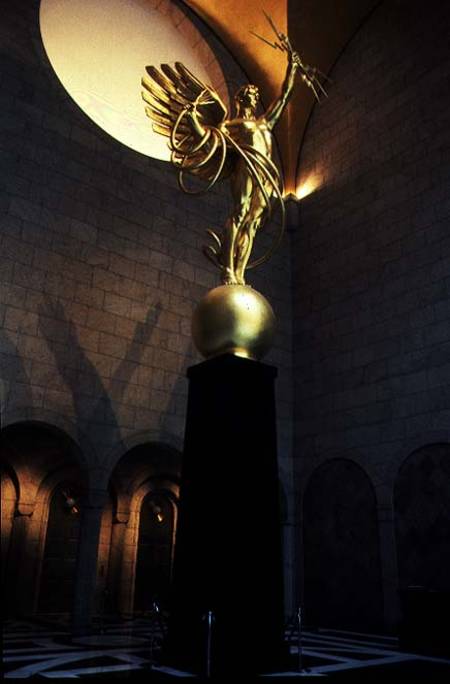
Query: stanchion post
{"points": [[154, 616], [209, 623], [299, 638]]}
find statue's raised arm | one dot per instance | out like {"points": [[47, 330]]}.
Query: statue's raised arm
{"points": [[277, 107], [207, 142]]}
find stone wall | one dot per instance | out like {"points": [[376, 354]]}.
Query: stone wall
{"points": [[371, 259]]}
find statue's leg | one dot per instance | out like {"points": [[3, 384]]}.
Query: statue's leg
{"points": [[244, 248], [228, 240], [241, 186], [255, 218]]}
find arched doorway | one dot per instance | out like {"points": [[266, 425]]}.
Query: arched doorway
{"points": [[155, 549], [44, 530], [342, 580], [9, 496], [56, 591], [145, 497], [422, 528], [422, 518]]}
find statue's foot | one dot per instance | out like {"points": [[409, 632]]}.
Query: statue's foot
{"points": [[228, 277]]}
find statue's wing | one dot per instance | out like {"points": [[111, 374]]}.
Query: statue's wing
{"points": [[170, 93]]}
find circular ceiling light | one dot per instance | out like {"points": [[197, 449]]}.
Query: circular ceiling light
{"points": [[99, 50]]}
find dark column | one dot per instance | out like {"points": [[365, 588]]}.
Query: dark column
{"points": [[228, 547], [21, 564], [388, 558], [86, 575]]}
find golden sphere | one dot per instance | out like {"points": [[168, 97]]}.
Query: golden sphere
{"points": [[233, 319]]}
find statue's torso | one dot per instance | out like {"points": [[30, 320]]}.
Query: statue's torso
{"points": [[253, 132]]}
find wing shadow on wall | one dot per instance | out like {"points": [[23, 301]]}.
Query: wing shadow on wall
{"points": [[95, 418], [12, 373]]}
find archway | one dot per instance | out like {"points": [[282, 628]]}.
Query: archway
{"points": [[422, 528], [43, 540], [9, 497], [56, 591], [145, 485], [422, 518], [155, 549], [342, 583]]}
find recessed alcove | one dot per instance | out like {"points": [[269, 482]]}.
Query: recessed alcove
{"points": [[40, 539], [145, 488], [99, 50]]}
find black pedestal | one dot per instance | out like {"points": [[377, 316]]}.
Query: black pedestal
{"points": [[228, 546], [424, 627]]}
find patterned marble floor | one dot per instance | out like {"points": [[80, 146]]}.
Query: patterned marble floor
{"points": [[127, 649]]}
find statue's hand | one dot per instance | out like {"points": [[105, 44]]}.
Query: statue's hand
{"points": [[296, 59], [293, 56], [286, 45]]}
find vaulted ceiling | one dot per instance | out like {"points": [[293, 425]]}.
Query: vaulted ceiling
{"points": [[318, 30]]}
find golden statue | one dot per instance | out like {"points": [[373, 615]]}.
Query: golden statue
{"points": [[206, 142]]}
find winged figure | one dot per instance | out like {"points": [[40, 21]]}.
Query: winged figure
{"points": [[207, 142]]}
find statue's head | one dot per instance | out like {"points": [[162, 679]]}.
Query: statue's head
{"points": [[247, 97]]}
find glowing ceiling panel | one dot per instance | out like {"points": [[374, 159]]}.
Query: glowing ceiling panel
{"points": [[99, 50]]}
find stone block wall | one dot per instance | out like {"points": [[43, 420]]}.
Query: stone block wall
{"points": [[371, 258]]}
